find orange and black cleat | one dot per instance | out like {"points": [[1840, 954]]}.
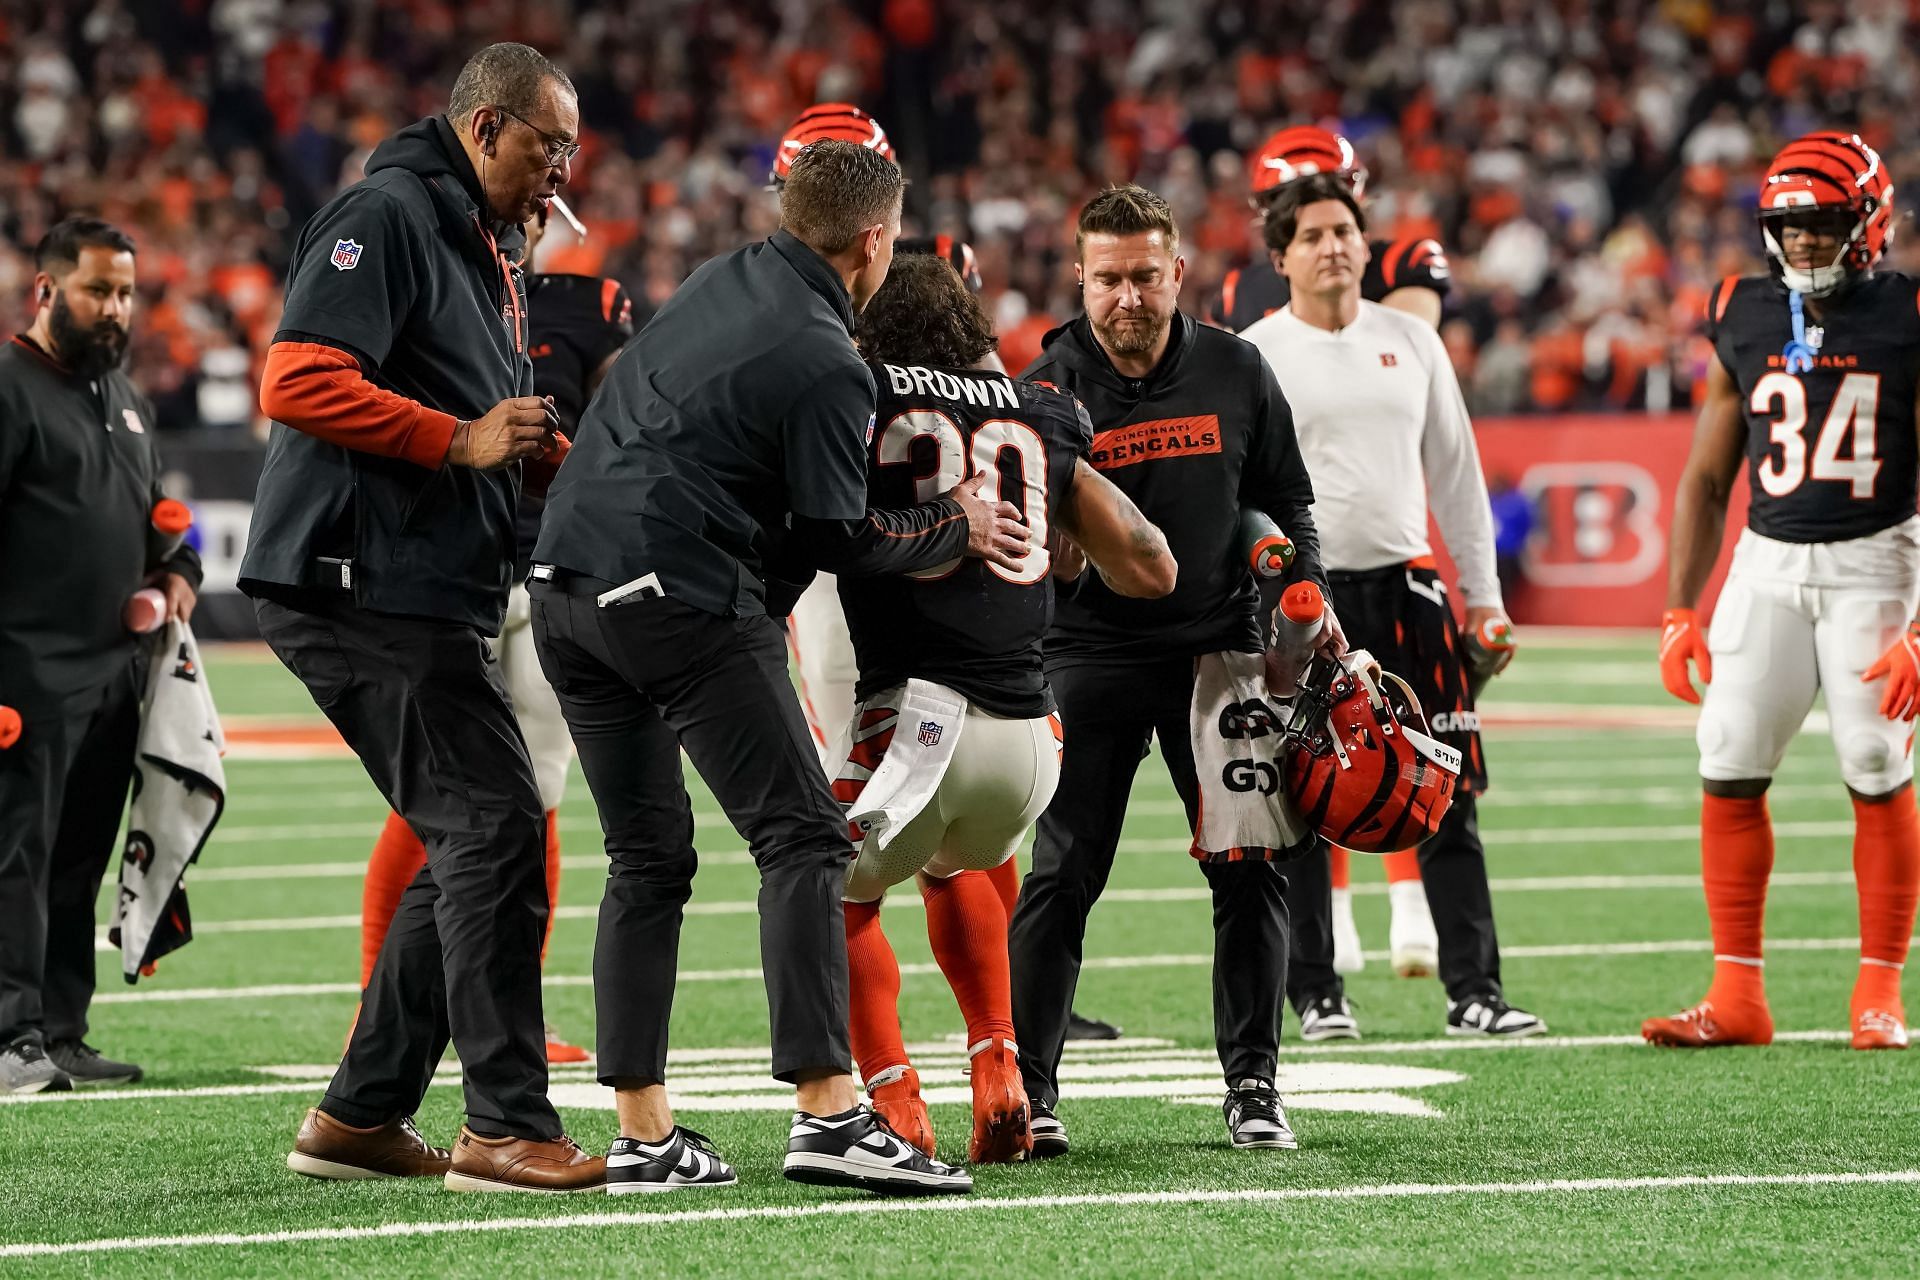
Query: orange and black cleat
{"points": [[898, 1102], [1001, 1133], [1704, 1027]]}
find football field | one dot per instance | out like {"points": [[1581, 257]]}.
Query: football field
{"points": [[1580, 1152]]}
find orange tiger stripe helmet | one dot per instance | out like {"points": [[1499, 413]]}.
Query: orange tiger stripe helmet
{"points": [[1299, 152], [1836, 184], [1361, 766], [840, 121]]}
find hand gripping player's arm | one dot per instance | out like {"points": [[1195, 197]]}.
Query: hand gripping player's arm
{"points": [[1699, 521], [1899, 666]]}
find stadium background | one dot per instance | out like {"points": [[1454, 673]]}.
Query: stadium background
{"points": [[1591, 171]]}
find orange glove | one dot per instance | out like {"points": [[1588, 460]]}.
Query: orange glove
{"points": [[1900, 665], [1681, 639]]}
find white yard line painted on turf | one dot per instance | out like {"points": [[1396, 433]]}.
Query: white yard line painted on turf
{"points": [[1186, 893], [973, 1204], [1578, 950]]}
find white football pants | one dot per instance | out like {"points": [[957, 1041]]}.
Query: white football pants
{"points": [[1795, 619], [817, 635], [534, 703]]}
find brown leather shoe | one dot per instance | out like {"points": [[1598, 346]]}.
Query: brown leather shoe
{"points": [[326, 1148], [522, 1164]]}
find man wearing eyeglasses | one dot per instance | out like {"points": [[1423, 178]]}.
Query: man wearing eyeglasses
{"points": [[379, 561]]}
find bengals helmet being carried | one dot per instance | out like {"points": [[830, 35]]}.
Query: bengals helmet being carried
{"points": [[839, 121], [1835, 184], [1360, 764], [1299, 152]]}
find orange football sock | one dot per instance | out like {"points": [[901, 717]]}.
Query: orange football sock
{"points": [[553, 880], [1006, 882], [1736, 858], [397, 858], [874, 980], [967, 926], [1402, 866], [1342, 862], [1886, 870]]}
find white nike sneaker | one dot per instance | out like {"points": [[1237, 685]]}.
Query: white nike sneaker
{"points": [[1347, 955], [1413, 945], [686, 1159], [857, 1149]]}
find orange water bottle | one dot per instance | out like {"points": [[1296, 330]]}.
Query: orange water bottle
{"points": [[1297, 621], [1267, 551], [1488, 650]]}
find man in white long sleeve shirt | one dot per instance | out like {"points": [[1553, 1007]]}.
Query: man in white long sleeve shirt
{"points": [[1385, 435]]}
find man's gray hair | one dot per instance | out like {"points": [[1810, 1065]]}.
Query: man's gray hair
{"points": [[509, 76], [836, 190]]}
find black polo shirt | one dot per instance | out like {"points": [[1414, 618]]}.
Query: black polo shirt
{"points": [[741, 404], [78, 479]]}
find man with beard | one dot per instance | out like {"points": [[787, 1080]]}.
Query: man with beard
{"points": [[79, 478], [1190, 424]]}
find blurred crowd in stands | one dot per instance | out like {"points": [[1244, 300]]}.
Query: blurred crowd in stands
{"points": [[1590, 165]]}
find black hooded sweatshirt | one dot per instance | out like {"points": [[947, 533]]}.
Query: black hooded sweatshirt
{"points": [[405, 311], [1206, 433]]}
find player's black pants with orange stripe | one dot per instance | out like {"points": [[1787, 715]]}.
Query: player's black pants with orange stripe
{"points": [[637, 682], [1109, 715], [1400, 615], [422, 703]]}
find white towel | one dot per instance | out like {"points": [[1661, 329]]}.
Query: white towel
{"points": [[895, 752], [179, 789], [1235, 725]]}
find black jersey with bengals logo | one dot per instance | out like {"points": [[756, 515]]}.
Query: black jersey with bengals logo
{"points": [[1256, 290], [972, 626], [1831, 453], [573, 324]]}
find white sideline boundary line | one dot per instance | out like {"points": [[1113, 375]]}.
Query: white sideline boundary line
{"points": [[863, 1208], [1566, 951], [1187, 893]]}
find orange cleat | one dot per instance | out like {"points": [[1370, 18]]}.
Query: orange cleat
{"points": [[1879, 1029], [1001, 1134], [897, 1101], [1704, 1027], [564, 1053]]}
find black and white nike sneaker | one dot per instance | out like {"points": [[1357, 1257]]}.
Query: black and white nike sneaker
{"points": [[858, 1149], [1329, 1018], [1049, 1134], [1491, 1016], [686, 1159], [1255, 1117]]}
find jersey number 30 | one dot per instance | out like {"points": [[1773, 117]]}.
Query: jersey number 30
{"points": [[958, 459], [1783, 398]]}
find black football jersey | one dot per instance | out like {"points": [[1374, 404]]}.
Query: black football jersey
{"points": [[1831, 453], [972, 626], [1256, 290], [573, 323]]}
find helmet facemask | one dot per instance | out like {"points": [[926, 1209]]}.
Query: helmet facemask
{"points": [[1820, 279]]}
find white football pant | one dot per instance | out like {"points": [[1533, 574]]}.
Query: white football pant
{"points": [[1000, 779], [817, 635], [534, 704], [1795, 619]]}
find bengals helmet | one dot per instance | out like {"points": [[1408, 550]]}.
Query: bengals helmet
{"points": [[1835, 184], [1360, 766], [1299, 152], [839, 121], [958, 253]]}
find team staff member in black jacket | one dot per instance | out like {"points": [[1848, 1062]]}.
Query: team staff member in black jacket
{"points": [[78, 481], [382, 541], [1188, 422], [725, 452]]}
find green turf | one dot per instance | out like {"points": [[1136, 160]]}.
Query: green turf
{"points": [[1567, 803]]}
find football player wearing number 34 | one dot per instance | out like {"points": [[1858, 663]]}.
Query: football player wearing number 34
{"points": [[1812, 386]]}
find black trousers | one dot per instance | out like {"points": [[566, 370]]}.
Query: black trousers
{"points": [[422, 703], [637, 682], [1400, 614], [63, 789], [1109, 715]]}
